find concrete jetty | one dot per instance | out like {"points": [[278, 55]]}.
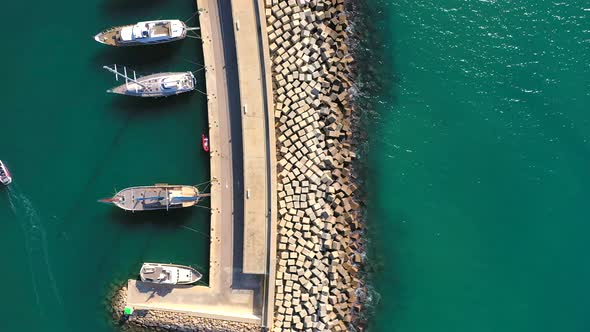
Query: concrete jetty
{"points": [[286, 236], [230, 295], [243, 182]]}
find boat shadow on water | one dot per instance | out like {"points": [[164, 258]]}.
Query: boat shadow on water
{"points": [[163, 219], [162, 106], [139, 58], [123, 8]]}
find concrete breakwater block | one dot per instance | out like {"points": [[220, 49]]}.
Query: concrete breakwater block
{"points": [[320, 249]]}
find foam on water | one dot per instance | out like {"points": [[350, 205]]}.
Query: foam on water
{"points": [[35, 240]]}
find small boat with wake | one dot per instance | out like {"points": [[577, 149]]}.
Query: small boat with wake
{"points": [[171, 274], [205, 142], [156, 197], [5, 177], [154, 85], [144, 33]]}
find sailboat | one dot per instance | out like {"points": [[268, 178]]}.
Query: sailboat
{"points": [[156, 197], [155, 85]]}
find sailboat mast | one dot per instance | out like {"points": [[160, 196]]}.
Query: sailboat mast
{"points": [[114, 71], [167, 200], [126, 80], [135, 79], [133, 199]]}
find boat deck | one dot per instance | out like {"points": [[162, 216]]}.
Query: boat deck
{"points": [[111, 36], [152, 85], [161, 29], [154, 198]]}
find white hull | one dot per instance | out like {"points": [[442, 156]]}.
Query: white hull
{"points": [[154, 85], [5, 177], [170, 274], [143, 33], [156, 197]]}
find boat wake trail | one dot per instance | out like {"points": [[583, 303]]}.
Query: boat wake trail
{"points": [[35, 241], [12, 198]]}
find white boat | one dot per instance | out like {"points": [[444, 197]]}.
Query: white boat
{"points": [[144, 33], [5, 177], [171, 274], [154, 85], [157, 197]]}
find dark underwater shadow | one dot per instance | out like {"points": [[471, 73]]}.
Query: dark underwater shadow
{"points": [[376, 83], [79, 202], [145, 106], [123, 8], [160, 219], [138, 58]]}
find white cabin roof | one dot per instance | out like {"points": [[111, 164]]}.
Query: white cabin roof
{"points": [[127, 34]]}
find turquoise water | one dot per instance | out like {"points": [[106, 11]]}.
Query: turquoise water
{"points": [[68, 143], [478, 163]]}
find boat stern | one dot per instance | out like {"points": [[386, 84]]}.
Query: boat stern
{"points": [[5, 177], [192, 79], [177, 29]]}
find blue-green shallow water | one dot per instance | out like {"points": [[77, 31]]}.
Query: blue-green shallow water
{"points": [[479, 164], [69, 143]]}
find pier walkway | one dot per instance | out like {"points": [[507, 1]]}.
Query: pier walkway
{"points": [[250, 69], [253, 58], [243, 219]]}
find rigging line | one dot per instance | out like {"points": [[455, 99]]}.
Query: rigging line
{"points": [[196, 231], [193, 15], [194, 33], [198, 70], [208, 186], [201, 92], [194, 63], [194, 37], [196, 185]]}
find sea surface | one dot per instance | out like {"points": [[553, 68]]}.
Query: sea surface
{"points": [[69, 143], [477, 163]]}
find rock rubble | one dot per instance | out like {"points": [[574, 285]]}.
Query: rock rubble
{"points": [[320, 249]]}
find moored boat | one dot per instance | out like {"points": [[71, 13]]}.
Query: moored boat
{"points": [[155, 85], [156, 197], [205, 142], [144, 33], [172, 274], [5, 177]]}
